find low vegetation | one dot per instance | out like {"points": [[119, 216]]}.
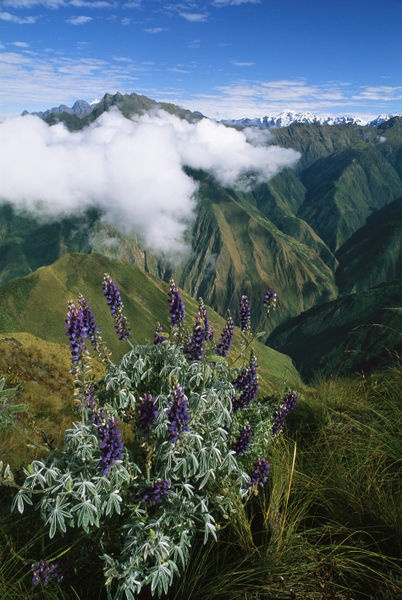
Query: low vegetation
{"points": [[325, 525]]}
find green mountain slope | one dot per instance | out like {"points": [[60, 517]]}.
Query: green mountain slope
{"points": [[37, 304], [355, 332], [374, 253], [237, 250], [345, 188]]}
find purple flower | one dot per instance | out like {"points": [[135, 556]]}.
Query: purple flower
{"points": [[116, 305], [176, 305], [225, 342], [177, 414], [87, 398], [89, 327], [147, 413], [111, 446], [76, 332], [246, 383], [158, 339], [195, 346], [243, 441], [244, 313], [270, 299], [155, 494], [287, 404], [260, 473], [44, 572], [203, 313]]}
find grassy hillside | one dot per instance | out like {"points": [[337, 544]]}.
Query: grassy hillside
{"points": [[37, 304], [357, 332]]}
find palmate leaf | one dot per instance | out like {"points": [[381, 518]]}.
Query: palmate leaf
{"points": [[20, 499], [58, 515], [87, 515], [114, 503]]}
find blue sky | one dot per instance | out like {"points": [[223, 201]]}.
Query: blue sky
{"points": [[225, 58]]}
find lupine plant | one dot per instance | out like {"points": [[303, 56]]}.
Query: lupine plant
{"points": [[163, 447]]}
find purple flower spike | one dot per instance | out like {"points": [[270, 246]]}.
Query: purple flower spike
{"points": [[44, 572], [111, 445], [195, 347], [147, 414], [246, 383], [116, 305], [203, 313], [287, 404], [260, 473], [270, 299], [158, 339], [244, 439], [176, 305], [155, 494], [225, 342], [88, 321], [177, 414], [76, 332], [244, 313]]}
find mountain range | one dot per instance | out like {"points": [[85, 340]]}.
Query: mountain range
{"points": [[320, 233], [81, 108]]}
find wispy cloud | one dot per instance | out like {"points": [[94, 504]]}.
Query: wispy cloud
{"points": [[20, 44], [240, 63], [51, 79], [8, 17], [35, 3], [81, 20], [52, 4], [234, 2], [155, 30], [101, 4], [194, 17], [379, 92]]}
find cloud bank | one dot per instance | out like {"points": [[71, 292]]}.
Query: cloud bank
{"points": [[134, 170]]}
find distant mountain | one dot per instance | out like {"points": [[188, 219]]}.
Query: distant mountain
{"points": [[357, 332], [285, 119], [135, 103], [78, 109], [82, 114]]}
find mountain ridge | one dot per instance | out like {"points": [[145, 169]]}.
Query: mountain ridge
{"points": [[81, 108]]}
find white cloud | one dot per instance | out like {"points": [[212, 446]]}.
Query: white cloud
{"points": [[133, 170], [61, 3], [81, 20], [239, 63], [33, 3], [194, 17], [92, 4], [234, 2], [20, 44], [155, 30], [10, 18]]}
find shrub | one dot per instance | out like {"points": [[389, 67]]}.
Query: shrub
{"points": [[166, 445]]}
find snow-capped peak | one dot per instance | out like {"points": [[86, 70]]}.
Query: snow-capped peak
{"points": [[284, 119]]}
